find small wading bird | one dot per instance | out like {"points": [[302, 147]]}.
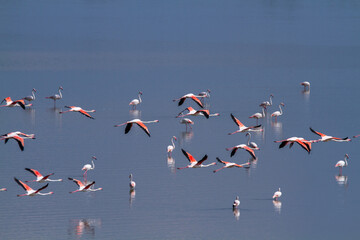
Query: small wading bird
{"points": [[88, 167], [56, 96], [30, 191], [80, 110], [242, 127], [11, 103], [342, 163], [277, 194], [31, 97], [132, 184], [193, 112], [326, 138], [231, 165], [236, 203], [16, 137], [84, 188], [306, 86], [171, 147], [278, 113], [194, 163], [135, 101], [40, 178], [187, 122], [189, 95], [251, 145], [242, 146], [305, 144], [257, 116], [139, 123]]}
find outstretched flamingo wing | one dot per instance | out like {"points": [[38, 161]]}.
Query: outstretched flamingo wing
{"points": [[20, 141], [23, 185], [233, 151], [318, 133], [202, 160], [206, 113], [78, 182], [304, 145], [283, 144], [189, 156], [249, 150], [42, 188], [142, 125], [221, 161], [236, 121], [89, 185], [47, 176], [35, 172], [197, 101], [128, 127], [182, 100], [20, 102], [86, 114]]}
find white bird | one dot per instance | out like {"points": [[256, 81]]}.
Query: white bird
{"points": [[236, 203], [88, 167], [29, 191], [171, 148], [80, 110], [135, 101], [242, 127], [242, 146], [83, 187], [3, 189], [231, 165], [187, 122], [257, 116], [193, 112], [251, 145], [306, 85], [342, 163], [194, 163], [327, 138], [56, 97], [189, 95], [278, 113], [132, 183], [31, 97], [205, 94], [277, 194], [267, 103], [139, 123]]}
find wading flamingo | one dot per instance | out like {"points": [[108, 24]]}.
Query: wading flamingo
{"points": [[31, 97], [342, 163], [132, 184], [189, 95], [326, 138], [306, 86], [29, 191], [56, 96], [11, 103], [139, 123], [40, 178], [242, 146], [251, 145], [88, 167], [17, 136], [236, 203], [305, 144], [187, 122], [80, 110], [194, 163], [242, 127], [231, 165], [135, 101], [257, 116], [267, 103], [278, 113], [277, 194], [84, 188], [171, 148]]}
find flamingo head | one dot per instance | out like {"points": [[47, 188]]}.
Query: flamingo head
{"points": [[34, 89], [282, 104], [347, 156], [61, 88], [93, 157], [271, 95], [174, 138], [140, 92]]}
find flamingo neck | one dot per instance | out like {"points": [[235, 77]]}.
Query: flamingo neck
{"points": [[140, 98], [270, 100], [172, 141], [60, 93], [263, 112], [93, 167], [33, 94], [345, 159], [280, 110]]}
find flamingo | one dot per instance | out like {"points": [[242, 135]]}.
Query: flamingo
{"points": [[11, 103], [257, 116], [3, 189], [327, 138], [31, 97], [251, 145], [242, 127], [242, 146], [40, 178], [267, 103], [236, 203], [80, 110], [56, 96], [231, 165], [29, 191], [277, 194], [194, 163], [193, 112], [278, 113], [306, 85], [342, 163], [132, 184], [84, 188], [356, 136], [205, 94], [189, 95], [187, 122], [171, 148], [135, 101], [88, 167], [305, 144], [17, 136], [139, 123]]}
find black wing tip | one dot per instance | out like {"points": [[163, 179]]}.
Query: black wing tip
{"points": [[71, 179]]}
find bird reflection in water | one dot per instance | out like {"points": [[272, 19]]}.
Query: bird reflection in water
{"points": [[31, 112], [135, 113], [171, 164], [186, 136], [132, 194], [277, 206], [84, 226], [236, 213], [277, 128], [342, 180]]}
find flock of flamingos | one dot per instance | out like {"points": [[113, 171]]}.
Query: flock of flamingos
{"points": [[250, 147]]}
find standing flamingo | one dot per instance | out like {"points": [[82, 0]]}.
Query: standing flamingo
{"points": [[242, 146], [205, 94], [88, 167], [17, 136], [84, 188], [231, 165], [257, 116], [189, 95], [40, 178], [56, 97], [236, 203], [132, 184], [29, 191], [11, 103], [139, 123], [305, 144], [135, 101], [327, 138], [251, 145], [342, 163], [242, 127], [277, 194], [306, 86], [171, 148], [187, 122], [31, 97], [194, 163], [278, 113], [267, 103], [80, 110]]}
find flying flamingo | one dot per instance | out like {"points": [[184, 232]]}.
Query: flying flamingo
{"points": [[56, 96], [135, 101], [267, 103], [242, 146], [236, 203], [80, 110], [231, 165], [189, 95], [11, 103], [204, 95], [31, 97], [194, 163], [3, 189], [40, 178], [257, 116], [84, 188], [356, 136], [171, 148], [193, 112], [251, 145], [305, 144], [139, 123], [242, 127], [278, 113], [342, 163], [187, 122], [306, 86], [17, 136], [277, 194], [29, 191], [326, 138], [132, 184], [88, 167]]}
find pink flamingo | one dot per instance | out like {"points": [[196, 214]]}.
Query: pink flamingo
{"points": [[40, 178], [11, 103], [84, 188], [231, 165], [80, 110], [327, 138], [29, 191], [194, 163], [242, 127], [139, 123], [189, 95]]}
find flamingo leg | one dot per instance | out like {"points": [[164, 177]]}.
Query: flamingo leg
{"points": [[219, 169]]}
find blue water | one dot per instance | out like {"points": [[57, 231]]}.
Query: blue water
{"points": [[103, 52]]}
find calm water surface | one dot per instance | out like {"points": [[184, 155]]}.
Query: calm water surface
{"points": [[104, 52]]}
